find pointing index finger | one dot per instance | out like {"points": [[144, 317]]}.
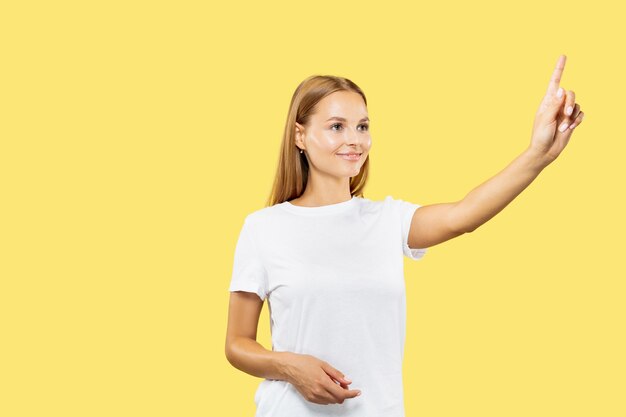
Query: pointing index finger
{"points": [[556, 75]]}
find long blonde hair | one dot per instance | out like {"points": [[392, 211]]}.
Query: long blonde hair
{"points": [[293, 168]]}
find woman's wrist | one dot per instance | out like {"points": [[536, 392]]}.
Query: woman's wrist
{"points": [[283, 365]]}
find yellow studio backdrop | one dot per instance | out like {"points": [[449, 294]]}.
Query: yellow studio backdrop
{"points": [[136, 136]]}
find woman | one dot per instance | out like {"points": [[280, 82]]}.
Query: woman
{"points": [[330, 261]]}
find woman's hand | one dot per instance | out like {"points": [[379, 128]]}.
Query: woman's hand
{"points": [[315, 380], [556, 118]]}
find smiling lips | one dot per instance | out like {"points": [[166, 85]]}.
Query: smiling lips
{"points": [[350, 156]]}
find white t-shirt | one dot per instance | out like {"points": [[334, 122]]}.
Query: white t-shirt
{"points": [[334, 279]]}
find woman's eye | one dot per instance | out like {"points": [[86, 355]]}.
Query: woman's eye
{"points": [[366, 127]]}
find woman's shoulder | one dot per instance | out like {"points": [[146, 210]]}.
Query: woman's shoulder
{"points": [[379, 203], [263, 214]]}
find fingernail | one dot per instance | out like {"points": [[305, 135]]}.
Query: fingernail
{"points": [[569, 110], [359, 393], [559, 93], [563, 127], [347, 379]]}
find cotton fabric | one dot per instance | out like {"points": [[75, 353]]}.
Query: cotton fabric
{"points": [[333, 277]]}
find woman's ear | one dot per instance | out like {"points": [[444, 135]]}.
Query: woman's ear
{"points": [[299, 137]]}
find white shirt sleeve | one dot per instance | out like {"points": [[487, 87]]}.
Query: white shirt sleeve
{"points": [[248, 274], [405, 210]]}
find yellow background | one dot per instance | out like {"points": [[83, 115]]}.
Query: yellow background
{"points": [[136, 136]]}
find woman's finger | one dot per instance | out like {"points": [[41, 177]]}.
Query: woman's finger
{"points": [[555, 79], [570, 100], [578, 120], [575, 112]]}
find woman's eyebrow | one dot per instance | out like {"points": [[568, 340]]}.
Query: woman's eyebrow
{"points": [[365, 119]]}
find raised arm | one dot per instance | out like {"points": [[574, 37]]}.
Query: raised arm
{"points": [[433, 224]]}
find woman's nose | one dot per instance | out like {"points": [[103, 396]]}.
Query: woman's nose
{"points": [[352, 136]]}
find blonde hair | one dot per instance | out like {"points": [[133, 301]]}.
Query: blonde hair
{"points": [[293, 167]]}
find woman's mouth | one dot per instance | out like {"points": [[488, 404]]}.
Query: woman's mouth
{"points": [[350, 156]]}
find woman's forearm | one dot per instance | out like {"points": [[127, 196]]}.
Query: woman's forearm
{"points": [[251, 357], [489, 198]]}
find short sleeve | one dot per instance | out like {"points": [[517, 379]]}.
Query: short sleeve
{"points": [[248, 274], [404, 211]]}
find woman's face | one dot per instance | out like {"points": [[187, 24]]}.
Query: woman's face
{"points": [[339, 126]]}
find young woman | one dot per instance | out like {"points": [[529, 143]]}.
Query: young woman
{"points": [[330, 261]]}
